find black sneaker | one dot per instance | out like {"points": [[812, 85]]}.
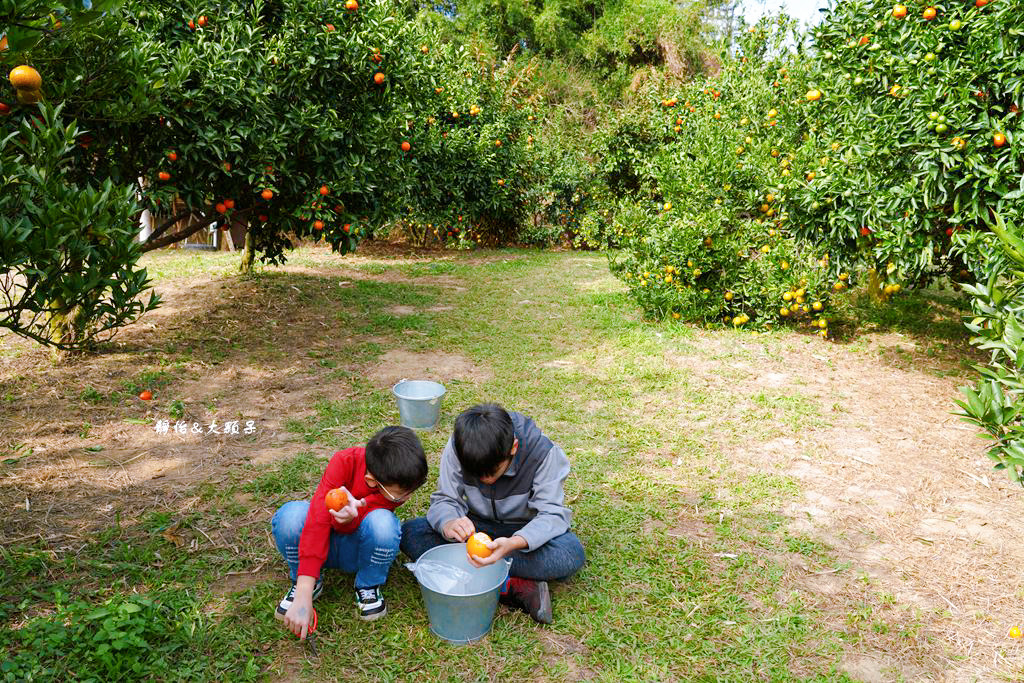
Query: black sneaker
{"points": [[532, 597], [371, 603], [286, 601]]}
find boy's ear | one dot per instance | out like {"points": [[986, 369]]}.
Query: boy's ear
{"points": [[370, 480]]}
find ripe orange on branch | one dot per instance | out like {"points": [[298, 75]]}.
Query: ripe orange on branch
{"points": [[899, 11], [267, 194], [25, 77]]}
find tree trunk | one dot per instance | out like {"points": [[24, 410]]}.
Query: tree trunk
{"points": [[875, 285], [248, 255]]}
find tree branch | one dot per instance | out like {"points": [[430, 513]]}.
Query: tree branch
{"points": [[168, 223], [150, 245]]}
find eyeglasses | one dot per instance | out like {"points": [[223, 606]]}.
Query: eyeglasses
{"points": [[393, 498]]}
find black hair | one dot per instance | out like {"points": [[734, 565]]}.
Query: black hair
{"points": [[483, 439], [394, 455]]}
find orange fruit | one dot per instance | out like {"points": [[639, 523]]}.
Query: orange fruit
{"points": [[25, 78], [324, 190], [476, 544], [202, 21], [220, 207], [5, 109], [813, 95], [192, 24], [227, 166], [330, 28], [899, 11], [267, 194], [146, 395], [318, 225], [164, 175], [229, 203], [378, 77], [264, 218], [351, 5], [980, 3], [998, 139], [336, 499], [929, 13], [406, 146]]}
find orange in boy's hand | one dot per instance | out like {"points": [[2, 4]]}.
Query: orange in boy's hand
{"points": [[476, 545], [336, 499]]}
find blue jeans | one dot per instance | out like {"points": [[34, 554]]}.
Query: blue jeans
{"points": [[367, 552], [558, 559]]}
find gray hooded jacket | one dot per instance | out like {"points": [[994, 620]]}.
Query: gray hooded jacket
{"points": [[530, 492]]}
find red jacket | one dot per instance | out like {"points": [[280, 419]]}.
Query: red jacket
{"points": [[347, 468]]}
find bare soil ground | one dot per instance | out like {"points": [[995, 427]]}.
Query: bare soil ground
{"points": [[900, 489]]}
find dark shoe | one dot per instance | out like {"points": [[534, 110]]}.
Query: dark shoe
{"points": [[371, 603], [286, 601], [532, 597]]}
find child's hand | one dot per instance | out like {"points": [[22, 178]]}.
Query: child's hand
{"points": [[299, 616], [500, 547], [350, 511], [458, 529]]}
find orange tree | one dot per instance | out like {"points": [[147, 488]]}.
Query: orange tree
{"points": [[68, 248], [473, 164], [704, 232], [922, 103], [292, 119], [916, 131]]}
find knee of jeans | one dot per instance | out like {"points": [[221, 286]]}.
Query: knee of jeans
{"points": [[289, 519], [575, 554], [383, 525], [414, 527]]}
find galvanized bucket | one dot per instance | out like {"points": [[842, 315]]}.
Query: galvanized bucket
{"points": [[462, 611], [419, 402]]}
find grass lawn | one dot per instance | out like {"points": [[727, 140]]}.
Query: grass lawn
{"points": [[695, 569]]}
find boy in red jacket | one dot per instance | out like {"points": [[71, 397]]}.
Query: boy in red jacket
{"points": [[360, 538]]}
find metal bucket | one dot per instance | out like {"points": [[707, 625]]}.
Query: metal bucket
{"points": [[461, 613], [419, 402]]}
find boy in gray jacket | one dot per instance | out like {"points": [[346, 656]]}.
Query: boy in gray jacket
{"points": [[502, 476]]}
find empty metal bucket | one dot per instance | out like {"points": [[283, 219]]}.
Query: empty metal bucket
{"points": [[462, 611], [419, 402]]}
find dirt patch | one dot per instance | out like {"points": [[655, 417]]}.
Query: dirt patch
{"points": [[438, 366], [572, 653], [897, 487]]}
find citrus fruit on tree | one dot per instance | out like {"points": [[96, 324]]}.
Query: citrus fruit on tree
{"points": [[25, 77]]}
